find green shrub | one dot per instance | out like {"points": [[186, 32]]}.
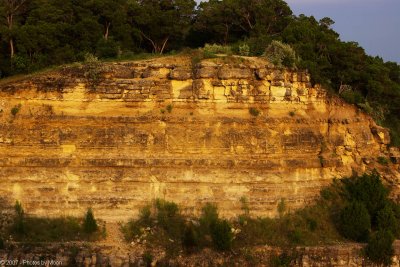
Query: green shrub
{"points": [[282, 260], [212, 49], [92, 70], [296, 236], [386, 220], [134, 228], [21, 63], [190, 238], [355, 222], [147, 258], [380, 247], [383, 161], [209, 216], [19, 220], [281, 207], [1, 243], [107, 48], [280, 54], [254, 112], [145, 215], [244, 49], [169, 108], [15, 110], [165, 210], [292, 113], [51, 230], [89, 223], [169, 219], [369, 190], [222, 235], [352, 97]]}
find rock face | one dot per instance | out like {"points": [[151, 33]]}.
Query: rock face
{"points": [[80, 256], [119, 135]]}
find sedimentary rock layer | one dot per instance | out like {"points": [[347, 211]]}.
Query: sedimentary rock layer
{"points": [[116, 136]]}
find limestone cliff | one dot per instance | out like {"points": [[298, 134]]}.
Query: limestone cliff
{"points": [[118, 135]]}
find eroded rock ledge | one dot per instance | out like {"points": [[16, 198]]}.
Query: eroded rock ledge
{"points": [[164, 128]]}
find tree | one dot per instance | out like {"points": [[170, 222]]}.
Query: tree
{"points": [[10, 9], [369, 190], [355, 222], [326, 22], [89, 224], [222, 235], [380, 247], [109, 12], [386, 220], [217, 22], [162, 21], [280, 54]]}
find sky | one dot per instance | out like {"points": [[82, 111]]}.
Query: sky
{"points": [[374, 24]]}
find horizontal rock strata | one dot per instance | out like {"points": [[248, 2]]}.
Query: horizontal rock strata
{"points": [[118, 135]]}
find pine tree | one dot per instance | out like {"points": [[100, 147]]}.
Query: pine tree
{"points": [[89, 224]]}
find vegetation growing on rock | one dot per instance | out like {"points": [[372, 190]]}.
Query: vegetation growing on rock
{"points": [[34, 41], [355, 208]]}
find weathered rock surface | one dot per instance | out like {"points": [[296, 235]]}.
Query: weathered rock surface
{"points": [[80, 255], [165, 129]]}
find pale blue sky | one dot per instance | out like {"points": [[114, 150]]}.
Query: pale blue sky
{"points": [[374, 24]]}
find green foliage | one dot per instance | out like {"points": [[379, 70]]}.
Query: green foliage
{"points": [[353, 97], [244, 49], [37, 229], [380, 247], [355, 222], [135, 228], [47, 33], [20, 64], [282, 260], [254, 112], [369, 190], [162, 225], [292, 113], [50, 230], [217, 49], [282, 207], [386, 220], [16, 109], [281, 54], [92, 70], [245, 206], [19, 220], [107, 48], [169, 219], [383, 161], [190, 238], [296, 237], [1, 243], [209, 216], [169, 108], [89, 223], [211, 50], [147, 258], [222, 235]]}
